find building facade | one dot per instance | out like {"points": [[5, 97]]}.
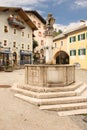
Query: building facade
{"points": [[60, 50], [40, 23], [15, 37], [75, 45]]}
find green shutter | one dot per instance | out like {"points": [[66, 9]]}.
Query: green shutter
{"points": [[84, 51], [84, 36], [78, 51], [75, 52], [70, 39], [75, 38], [78, 37], [70, 53]]}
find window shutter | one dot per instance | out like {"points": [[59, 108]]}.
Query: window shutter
{"points": [[84, 51], [70, 53], [84, 36], [75, 52], [75, 38], [79, 52], [78, 37], [70, 39]]}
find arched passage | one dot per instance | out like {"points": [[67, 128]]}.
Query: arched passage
{"points": [[61, 57]]}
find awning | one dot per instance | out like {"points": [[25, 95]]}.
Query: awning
{"points": [[25, 52], [5, 52]]}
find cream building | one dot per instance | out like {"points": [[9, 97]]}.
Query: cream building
{"points": [[40, 23], [15, 36]]}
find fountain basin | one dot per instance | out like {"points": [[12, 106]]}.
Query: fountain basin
{"points": [[49, 75]]}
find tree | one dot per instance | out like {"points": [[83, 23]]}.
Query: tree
{"points": [[57, 33], [35, 44]]}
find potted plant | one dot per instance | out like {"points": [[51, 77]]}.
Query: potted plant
{"points": [[8, 67]]}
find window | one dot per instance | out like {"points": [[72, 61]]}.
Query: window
{"points": [[5, 42], [39, 34], [81, 37], [39, 25], [14, 31], [14, 44], [23, 34], [28, 35], [72, 52], [43, 35], [82, 51], [42, 43], [22, 46], [5, 29], [55, 45], [72, 39], [28, 47], [61, 43], [34, 22]]}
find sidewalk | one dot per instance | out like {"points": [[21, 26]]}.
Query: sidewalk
{"points": [[16, 114]]}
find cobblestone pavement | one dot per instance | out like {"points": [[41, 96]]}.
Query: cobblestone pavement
{"points": [[16, 114]]}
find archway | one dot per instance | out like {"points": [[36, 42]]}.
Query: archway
{"points": [[61, 57], [14, 58]]}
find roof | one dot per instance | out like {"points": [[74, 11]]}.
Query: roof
{"points": [[64, 34], [59, 37], [21, 13], [75, 29], [37, 14]]}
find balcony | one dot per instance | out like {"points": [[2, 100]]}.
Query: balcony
{"points": [[16, 23]]}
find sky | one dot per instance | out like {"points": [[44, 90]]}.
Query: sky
{"points": [[66, 12]]}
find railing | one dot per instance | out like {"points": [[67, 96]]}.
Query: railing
{"points": [[16, 22]]}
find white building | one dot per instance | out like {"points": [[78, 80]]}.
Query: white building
{"points": [[16, 31]]}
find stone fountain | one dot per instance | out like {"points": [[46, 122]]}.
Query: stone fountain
{"points": [[49, 75]]}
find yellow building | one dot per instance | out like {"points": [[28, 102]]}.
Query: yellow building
{"points": [[74, 44], [60, 50]]}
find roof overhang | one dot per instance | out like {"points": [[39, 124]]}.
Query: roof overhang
{"points": [[21, 13], [36, 14]]}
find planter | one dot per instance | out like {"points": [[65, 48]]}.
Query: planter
{"points": [[8, 68]]}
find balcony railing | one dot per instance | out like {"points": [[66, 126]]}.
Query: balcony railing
{"points": [[16, 23]]}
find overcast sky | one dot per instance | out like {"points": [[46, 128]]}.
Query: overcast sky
{"points": [[66, 12]]}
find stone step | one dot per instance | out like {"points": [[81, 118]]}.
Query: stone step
{"points": [[50, 89], [43, 95], [72, 112], [81, 89], [46, 95], [32, 100], [64, 107], [64, 100], [53, 101]]}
